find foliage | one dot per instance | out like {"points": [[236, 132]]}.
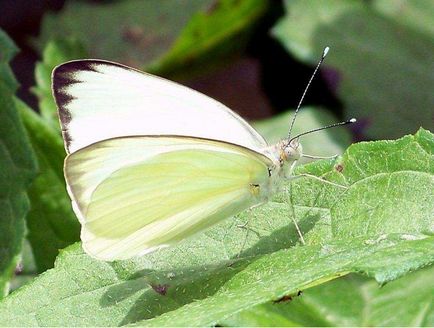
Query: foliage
{"points": [[55, 53], [51, 223], [125, 30], [189, 33], [384, 79], [227, 269], [353, 301], [368, 252], [209, 37], [17, 169]]}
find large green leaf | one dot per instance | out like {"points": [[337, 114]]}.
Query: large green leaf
{"points": [[209, 36], [384, 62], [352, 301], [229, 269], [132, 31], [17, 169], [51, 223], [81, 291], [165, 36]]}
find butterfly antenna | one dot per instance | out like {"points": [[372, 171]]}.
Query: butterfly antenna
{"points": [[350, 121], [324, 54]]}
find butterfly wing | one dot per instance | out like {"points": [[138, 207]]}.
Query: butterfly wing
{"points": [[137, 194], [99, 100]]}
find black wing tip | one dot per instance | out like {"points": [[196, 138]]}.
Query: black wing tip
{"points": [[84, 65], [75, 65], [64, 75]]}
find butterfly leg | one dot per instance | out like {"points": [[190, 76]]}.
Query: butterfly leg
{"points": [[287, 191], [306, 175], [319, 157], [288, 194], [244, 242], [248, 229]]}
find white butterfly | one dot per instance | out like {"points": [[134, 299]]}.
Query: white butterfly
{"points": [[151, 162]]}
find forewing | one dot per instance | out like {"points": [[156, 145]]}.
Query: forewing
{"points": [[99, 100], [178, 187]]}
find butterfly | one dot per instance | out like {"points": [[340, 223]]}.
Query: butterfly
{"points": [[150, 162]]}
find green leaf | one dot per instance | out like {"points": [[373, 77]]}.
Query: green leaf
{"points": [[221, 31], [391, 187], [351, 301], [323, 143], [260, 281], [82, 291], [418, 15], [55, 53], [384, 63], [17, 169], [228, 269], [51, 223], [26, 269], [131, 31], [164, 36]]}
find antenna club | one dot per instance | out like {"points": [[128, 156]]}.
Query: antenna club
{"points": [[325, 52], [324, 128]]}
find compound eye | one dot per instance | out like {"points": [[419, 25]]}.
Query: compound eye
{"points": [[294, 144]]}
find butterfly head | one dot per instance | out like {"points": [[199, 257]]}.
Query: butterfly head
{"points": [[290, 151]]}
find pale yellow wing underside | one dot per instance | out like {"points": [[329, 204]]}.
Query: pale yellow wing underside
{"points": [[137, 194]]}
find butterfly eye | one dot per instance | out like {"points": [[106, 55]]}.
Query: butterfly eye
{"points": [[294, 144], [291, 152]]}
